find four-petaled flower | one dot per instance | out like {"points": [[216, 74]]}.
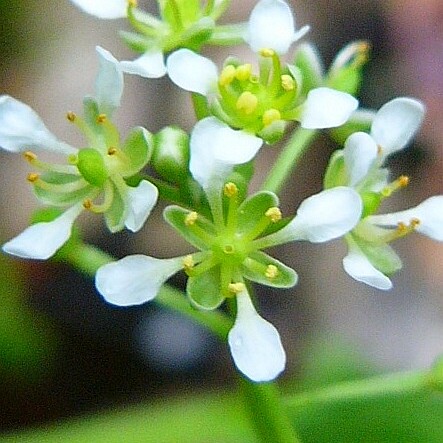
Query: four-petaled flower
{"points": [[96, 172]]}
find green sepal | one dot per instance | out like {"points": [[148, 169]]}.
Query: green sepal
{"points": [[170, 156], [255, 266], [115, 215], [204, 291], [45, 215], [178, 13], [90, 111], [136, 42], [308, 62], [346, 80], [198, 34], [360, 121], [138, 148], [336, 174], [176, 216], [61, 198], [274, 132], [92, 167], [253, 210], [382, 257], [371, 202]]}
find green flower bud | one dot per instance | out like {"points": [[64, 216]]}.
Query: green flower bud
{"points": [[171, 154], [92, 167]]}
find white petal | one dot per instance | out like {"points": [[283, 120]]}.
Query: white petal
{"points": [[360, 268], [327, 108], [271, 26], [135, 279], [360, 153], [192, 72], [255, 344], [140, 202], [216, 149], [109, 82], [149, 65], [42, 240], [396, 123], [429, 214], [321, 217], [21, 129], [107, 9]]}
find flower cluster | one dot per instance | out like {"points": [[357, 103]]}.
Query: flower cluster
{"points": [[239, 109]]}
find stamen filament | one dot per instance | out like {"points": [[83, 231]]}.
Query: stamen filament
{"points": [[107, 200]]}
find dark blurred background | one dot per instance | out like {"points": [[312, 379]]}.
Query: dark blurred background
{"points": [[64, 351]]}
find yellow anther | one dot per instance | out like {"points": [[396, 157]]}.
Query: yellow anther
{"points": [[236, 288], [287, 82], [188, 262], [29, 156], [274, 214], [247, 102], [87, 204], [243, 72], [101, 118], [112, 150], [400, 183], [32, 177], [403, 181], [71, 116], [402, 227], [267, 52], [132, 3], [414, 223], [379, 150], [191, 218], [227, 75], [72, 159], [271, 272], [270, 116], [230, 190]]}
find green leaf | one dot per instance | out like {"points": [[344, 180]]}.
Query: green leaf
{"points": [[256, 266], [204, 291], [92, 166], [253, 210], [138, 147], [176, 217]]}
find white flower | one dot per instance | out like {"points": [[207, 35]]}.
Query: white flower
{"points": [[255, 344], [42, 240], [271, 26], [135, 279], [322, 217], [216, 149], [106, 9]]}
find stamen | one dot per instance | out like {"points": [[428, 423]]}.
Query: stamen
{"points": [[112, 150], [227, 75], [247, 102], [267, 52], [230, 190], [271, 272], [188, 263], [71, 116], [132, 3], [243, 72], [287, 82], [101, 118], [274, 214], [270, 116], [30, 156], [400, 183], [191, 218], [87, 204], [236, 288], [32, 177]]}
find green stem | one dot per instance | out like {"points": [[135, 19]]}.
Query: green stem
{"points": [[268, 413], [391, 384], [288, 159], [88, 258]]}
